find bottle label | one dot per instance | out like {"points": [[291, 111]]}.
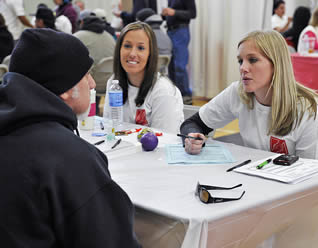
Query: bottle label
{"points": [[92, 110], [116, 99]]}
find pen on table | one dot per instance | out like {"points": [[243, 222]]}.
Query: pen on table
{"points": [[190, 137], [116, 144], [101, 125], [99, 142], [260, 166], [239, 165]]}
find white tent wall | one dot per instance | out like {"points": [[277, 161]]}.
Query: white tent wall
{"points": [[291, 5], [215, 32]]}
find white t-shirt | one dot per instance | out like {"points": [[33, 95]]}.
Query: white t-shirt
{"points": [[62, 23], [253, 124], [301, 44], [279, 22], [11, 9], [162, 108]]}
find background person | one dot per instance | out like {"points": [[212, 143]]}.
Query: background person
{"points": [[129, 17], [14, 15], [63, 24], [80, 5], [102, 15], [148, 16], [44, 18], [150, 99], [311, 31], [300, 21], [56, 190], [6, 40], [275, 112], [178, 16], [99, 43], [66, 8], [280, 22]]}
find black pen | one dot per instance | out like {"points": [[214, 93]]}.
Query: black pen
{"points": [[101, 125], [116, 144], [99, 142], [239, 165], [190, 137]]}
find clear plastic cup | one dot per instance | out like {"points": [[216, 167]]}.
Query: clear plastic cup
{"points": [[309, 43]]}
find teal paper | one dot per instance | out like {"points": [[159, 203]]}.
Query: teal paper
{"points": [[210, 154]]}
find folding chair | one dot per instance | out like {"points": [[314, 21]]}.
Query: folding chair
{"points": [[3, 70], [101, 72], [6, 60], [163, 63]]}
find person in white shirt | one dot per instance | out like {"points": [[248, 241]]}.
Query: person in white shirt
{"points": [[311, 31], [150, 99], [14, 15], [275, 112], [62, 23], [280, 22]]}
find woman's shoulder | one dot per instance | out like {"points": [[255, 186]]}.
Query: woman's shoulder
{"points": [[230, 93], [307, 29], [164, 85], [233, 87]]}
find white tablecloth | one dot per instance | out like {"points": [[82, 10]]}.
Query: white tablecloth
{"points": [[270, 214]]}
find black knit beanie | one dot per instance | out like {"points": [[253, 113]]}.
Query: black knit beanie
{"points": [[56, 60]]}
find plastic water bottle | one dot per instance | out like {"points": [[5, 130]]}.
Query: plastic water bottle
{"points": [[115, 95]]}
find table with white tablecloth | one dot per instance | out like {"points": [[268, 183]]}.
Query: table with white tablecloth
{"points": [[270, 214]]}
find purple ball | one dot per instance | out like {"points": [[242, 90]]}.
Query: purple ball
{"points": [[149, 141]]}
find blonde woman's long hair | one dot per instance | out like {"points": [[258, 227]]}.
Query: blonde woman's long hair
{"points": [[314, 18], [290, 100]]}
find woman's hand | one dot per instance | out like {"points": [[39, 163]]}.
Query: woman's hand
{"points": [[193, 146]]}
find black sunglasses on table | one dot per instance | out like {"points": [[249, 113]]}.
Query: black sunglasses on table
{"points": [[205, 196]]}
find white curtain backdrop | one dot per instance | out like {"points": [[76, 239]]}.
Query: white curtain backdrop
{"points": [[214, 36]]}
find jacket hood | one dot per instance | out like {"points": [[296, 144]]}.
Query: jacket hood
{"points": [[154, 19], [24, 102], [93, 24]]}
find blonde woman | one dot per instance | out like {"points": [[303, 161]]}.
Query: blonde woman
{"points": [[275, 112]]}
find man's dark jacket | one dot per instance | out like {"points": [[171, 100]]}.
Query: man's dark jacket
{"points": [[56, 190]]}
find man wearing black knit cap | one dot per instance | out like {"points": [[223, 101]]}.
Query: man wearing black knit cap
{"points": [[56, 190]]}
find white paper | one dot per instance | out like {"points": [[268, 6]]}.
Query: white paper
{"points": [[301, 170]]}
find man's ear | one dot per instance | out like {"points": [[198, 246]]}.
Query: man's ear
{"points": [[66, 95], [42, 23]]}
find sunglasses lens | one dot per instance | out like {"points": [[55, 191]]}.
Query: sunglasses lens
{"points": [[204, 195]]}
